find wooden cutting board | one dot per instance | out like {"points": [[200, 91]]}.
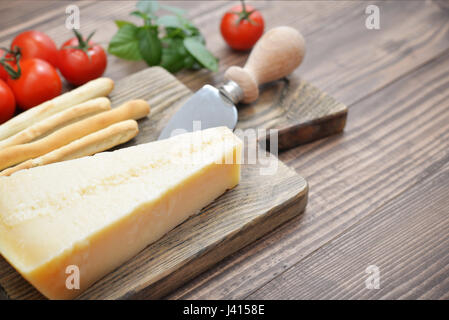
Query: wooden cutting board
{"points": [[256, 206]]}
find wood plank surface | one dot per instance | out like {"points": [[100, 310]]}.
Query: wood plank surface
{"points": [[236, 219], [393, 140], [343, 57], [375, 57], [395, 137], [407, 242]]}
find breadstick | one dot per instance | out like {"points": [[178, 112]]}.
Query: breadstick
{"points": [[91, 144], [58, 120], [134, 109], [100, 87]]}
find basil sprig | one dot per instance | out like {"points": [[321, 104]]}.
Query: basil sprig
{"points": [[171, 41]]}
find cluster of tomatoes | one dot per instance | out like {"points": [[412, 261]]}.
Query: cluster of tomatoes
{"points": [[28, 70]]}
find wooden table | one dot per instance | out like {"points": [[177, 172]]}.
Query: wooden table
{"points": [[379, 193]]}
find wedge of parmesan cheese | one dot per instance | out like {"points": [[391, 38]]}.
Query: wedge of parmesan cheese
{"points": [[97, 212]]}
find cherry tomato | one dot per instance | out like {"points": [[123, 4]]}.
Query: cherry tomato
{"points": [[35, 44], [81, 61], [7, 102], [3, 72], [241, 27], [38, 82]]}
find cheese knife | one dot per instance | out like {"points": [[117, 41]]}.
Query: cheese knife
{"points": [[277, 53]]}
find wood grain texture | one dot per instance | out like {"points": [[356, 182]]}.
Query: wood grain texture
{"points": [[404, 239], [346, 74], [381, 154], [237, 218], [298, 110], [393, 140], [343, 57]]}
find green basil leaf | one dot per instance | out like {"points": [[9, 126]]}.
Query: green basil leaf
{"points": [[125, 43], [180, 45], [189, 62], [147, 7], [147, 17], [200, 53], [174, 33], [173, 54], [199, 38], [121, 23], [140, 14], [150, 45], [188, 26], [170, 22], [192, 30]]}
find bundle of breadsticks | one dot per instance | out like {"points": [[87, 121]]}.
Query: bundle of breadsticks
{"points": [[75, 124]]}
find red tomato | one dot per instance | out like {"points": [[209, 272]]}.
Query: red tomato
{"points": [[242, 28], [80, 63], [38, 82], [35, 44], [7, 102], [3, 72]]}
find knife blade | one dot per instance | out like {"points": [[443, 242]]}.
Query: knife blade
{"points": [[207, 108], [275, 55]]}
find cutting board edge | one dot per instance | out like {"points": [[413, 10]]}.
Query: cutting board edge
{"points": [[312, 130], [251, 232], [3, 294]]}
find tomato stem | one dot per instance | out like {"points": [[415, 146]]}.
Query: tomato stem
{"points": [[83, 45], [244, 14], [16, 57]]}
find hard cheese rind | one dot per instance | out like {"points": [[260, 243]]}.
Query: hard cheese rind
{"points": [[97, 212]]}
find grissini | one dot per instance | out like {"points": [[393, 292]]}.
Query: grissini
{"points": [[57, 121], [91, 144], [100, 87], [134, 109]]}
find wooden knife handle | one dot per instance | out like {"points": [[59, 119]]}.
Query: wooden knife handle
{"points": [[274, 56]]}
